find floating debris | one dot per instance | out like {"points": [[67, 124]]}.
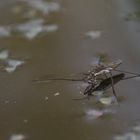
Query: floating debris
{"points": [[32, 28], [57, 94], [133, 134], [43, 6], [94, 113], [93, 34], [4, 54], [17, 137], [127, 136], [9, 64], [51, 28], [12, 65], [5, 31]]}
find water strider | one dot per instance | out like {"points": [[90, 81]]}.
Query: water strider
{"points": [[99, 78]]}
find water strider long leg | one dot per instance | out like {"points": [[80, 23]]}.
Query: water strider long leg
{"points": [[57, 79], [83, 98], [137, 74], [112, 85], [130, 77]]}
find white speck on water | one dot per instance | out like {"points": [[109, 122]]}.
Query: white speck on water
{"points": [[25, 121], [127, 136], [133, 134], [46, 98], [6, 102], [4, 54], [136, 128], [33, 28], [12, 65], [56, 94], [17, 137], [93, 34], [33, 32], [43, 6], [92, 114], [51, 28]]}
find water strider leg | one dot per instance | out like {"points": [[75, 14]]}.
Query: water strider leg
{"points": [[112, 85], [136, 74], [57, 79], [130, 77]]}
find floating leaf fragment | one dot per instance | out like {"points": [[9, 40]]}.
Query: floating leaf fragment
{"points": [[93, 34], [4, 54], [17, 137]]}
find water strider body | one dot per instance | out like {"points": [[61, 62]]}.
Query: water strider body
{"points": [[104, 84], [99, 78]]}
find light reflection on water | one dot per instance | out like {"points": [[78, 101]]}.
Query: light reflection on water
{"points": [[33, 109]]}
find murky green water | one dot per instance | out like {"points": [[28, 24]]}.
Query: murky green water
{"points": [[32, 109]]}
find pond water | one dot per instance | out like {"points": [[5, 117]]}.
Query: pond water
{"points": [[64, 37]]}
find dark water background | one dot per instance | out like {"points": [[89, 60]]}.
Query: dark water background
{"points": [[23, 108]]}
